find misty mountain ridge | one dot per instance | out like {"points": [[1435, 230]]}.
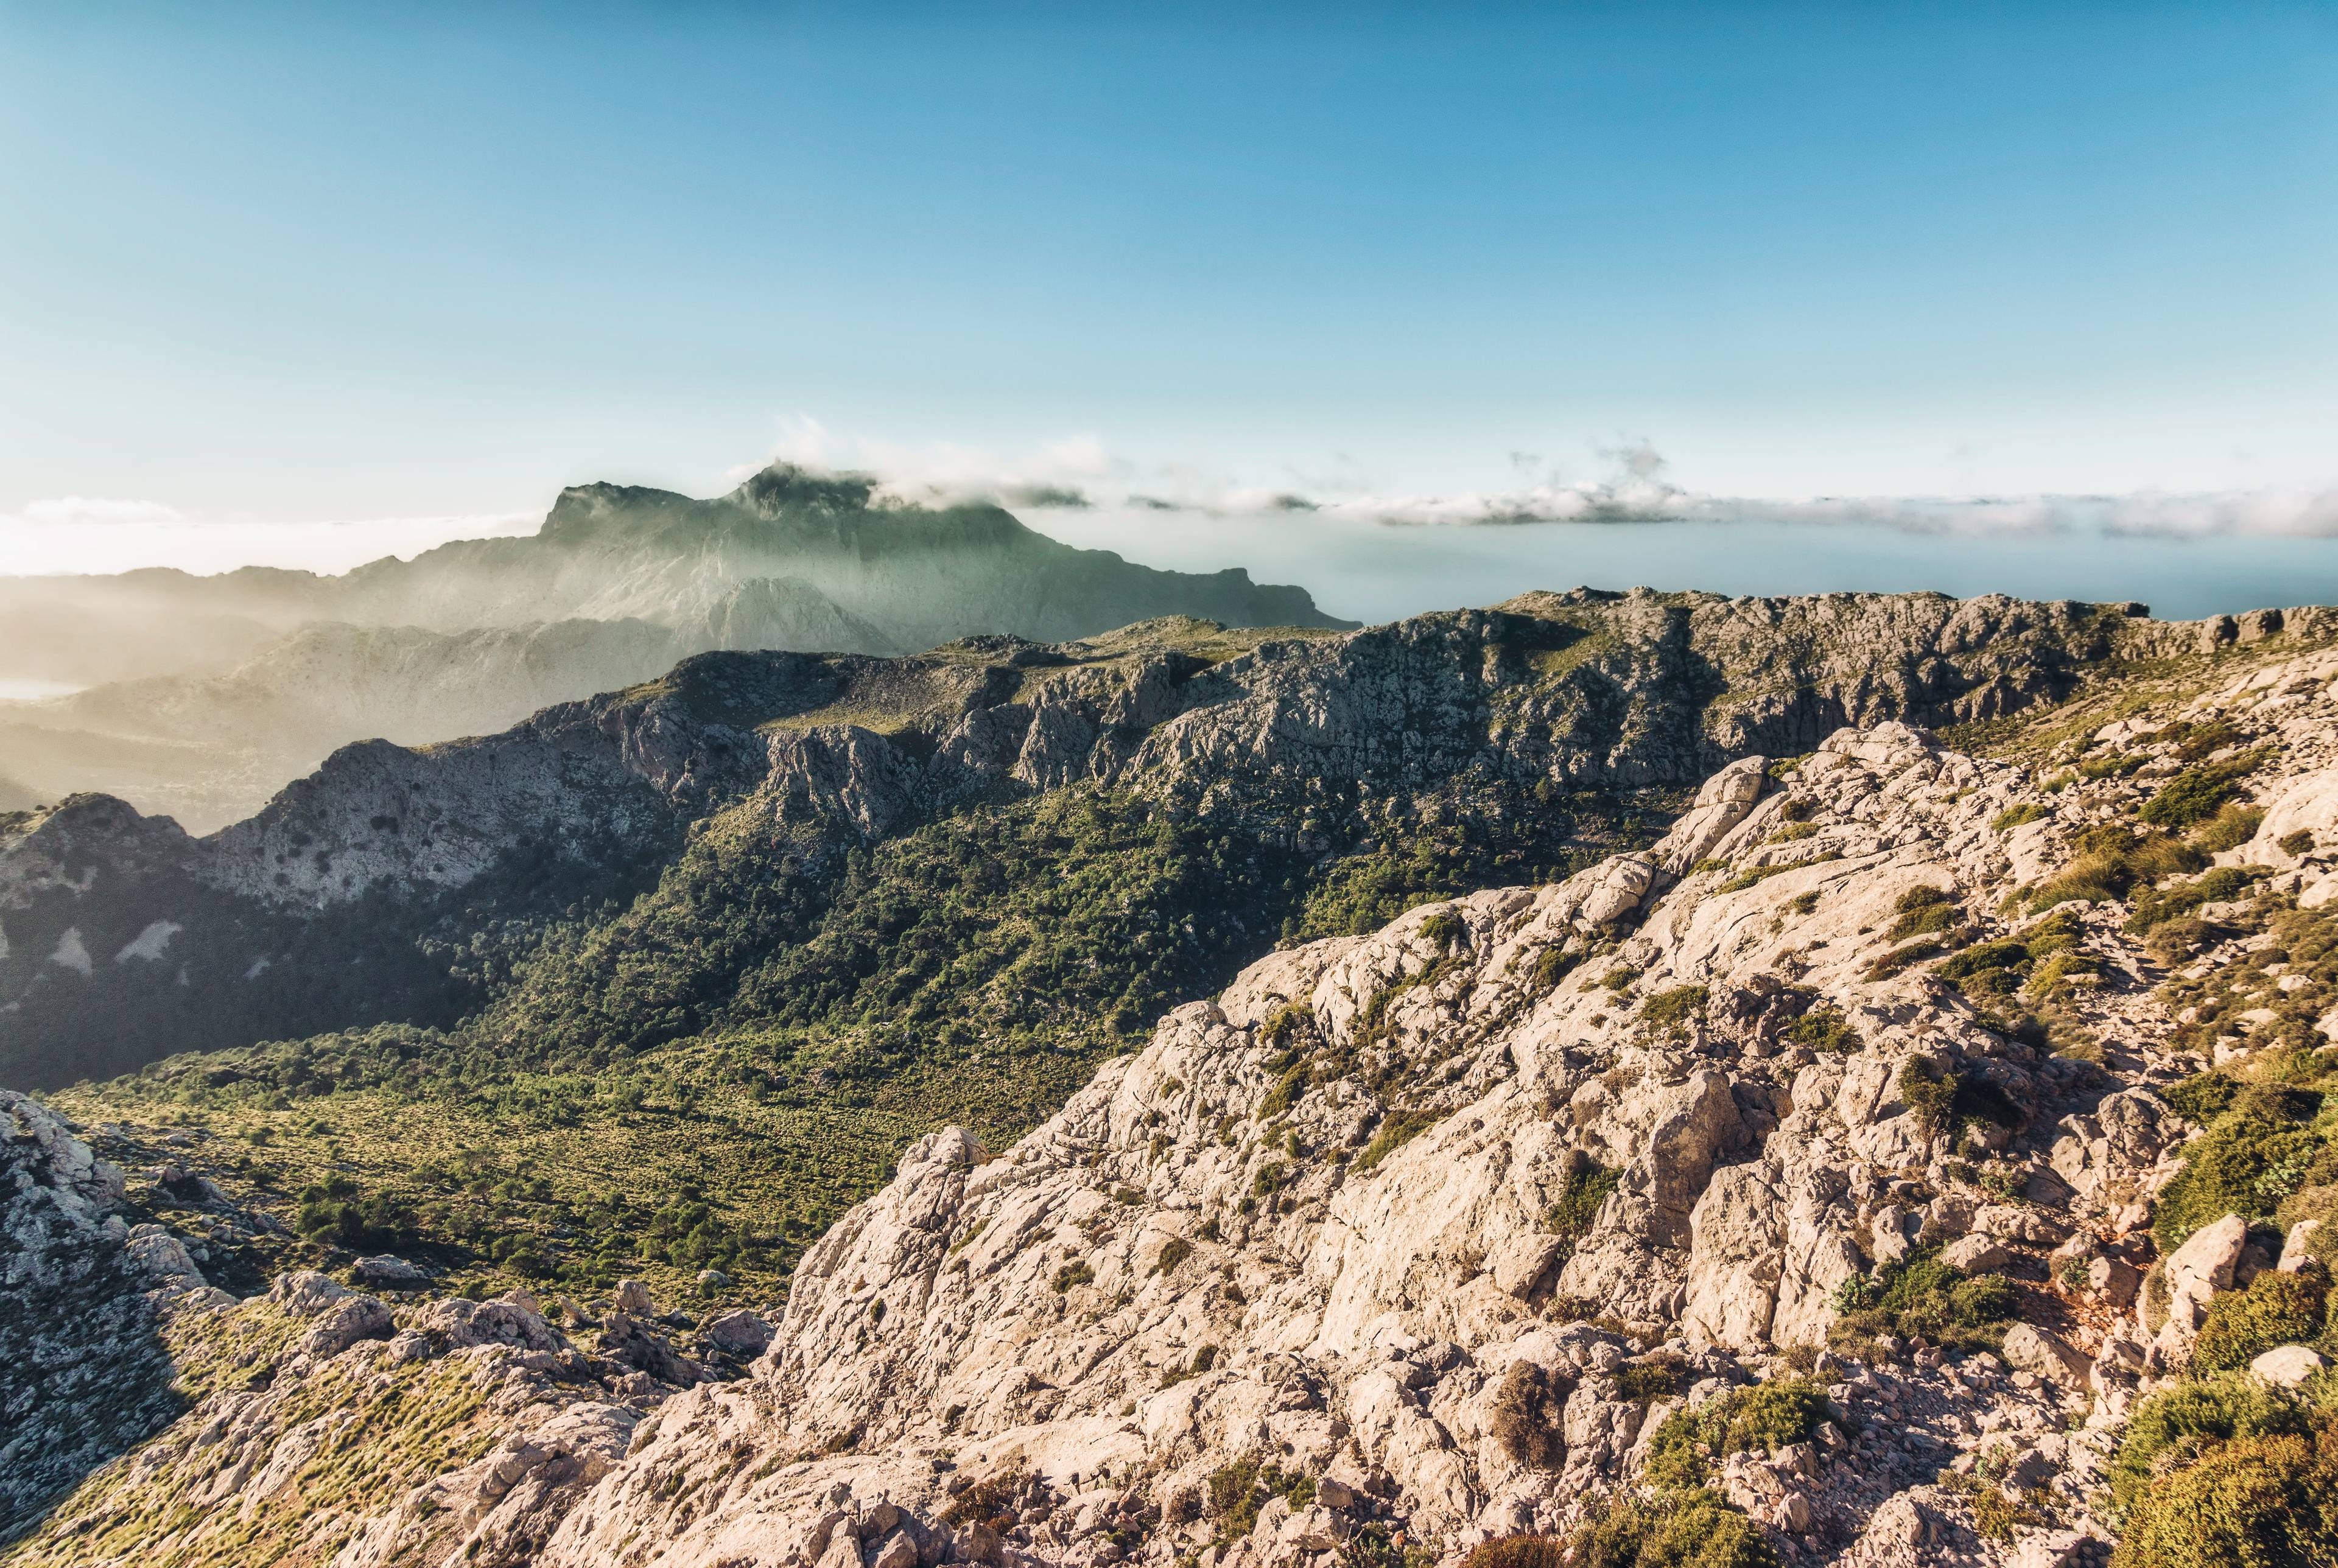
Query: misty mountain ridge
{"points": [[208, 694]]}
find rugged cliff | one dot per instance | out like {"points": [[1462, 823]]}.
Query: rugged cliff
{"points": [[1913, 1156]]}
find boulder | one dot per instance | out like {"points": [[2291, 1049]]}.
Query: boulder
{"points": [[393, 1273], [1975, 1255], [2288, 1365], [2196, 1270], [2032, 1349], [738, 1332]]}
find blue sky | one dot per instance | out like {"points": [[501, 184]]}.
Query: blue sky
{"points": [[267, 265]]}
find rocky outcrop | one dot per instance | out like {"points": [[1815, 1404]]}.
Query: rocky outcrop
{"points": [[1221, 1250], [83, 1373]]}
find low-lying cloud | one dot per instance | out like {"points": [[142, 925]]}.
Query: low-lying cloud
{"points": [[1635, 486]]}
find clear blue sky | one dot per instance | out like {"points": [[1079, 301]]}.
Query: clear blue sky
{"points": [[347, 260]]}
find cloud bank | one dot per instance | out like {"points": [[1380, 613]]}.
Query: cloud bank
{"points": [[1635, 487]]}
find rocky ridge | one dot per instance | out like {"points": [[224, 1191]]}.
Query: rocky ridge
{"points": [[1582, 691], [1413, 1240]]}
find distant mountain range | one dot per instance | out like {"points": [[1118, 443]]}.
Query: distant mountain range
{"points": [[207, 694]]}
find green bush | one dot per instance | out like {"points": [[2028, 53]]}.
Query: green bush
{"points": [[2221, 886], [2173, 1428], [1397, 1130], [2254, 1502], [1690, 1528], [1928, 1091], [1760, 1417], [1671, 1012], [1823, 1028], [1921, 1298], [1922, 910], [1240, 1490], [2203, 1097], [1444, 928], [2276, 1308], [1518, 1551], [2199, 791], [2251, 1158], [2111, 861], [1586, 1187], [2229, 828]]}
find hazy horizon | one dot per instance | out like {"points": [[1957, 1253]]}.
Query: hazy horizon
{"points": [[414, 273]]}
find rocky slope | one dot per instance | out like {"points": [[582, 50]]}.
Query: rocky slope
{"points": [[1855, 1176]]}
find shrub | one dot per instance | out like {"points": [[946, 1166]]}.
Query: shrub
{"points": [[1921, 1298], [2229, 828], [1823, 1028], [1525, 1415], [1586, 1187], [1670, 1011], [2111, 861], [2172, 1427], [1173, 1252], [1921, 910], [986, 1501], [1395, 1131], [1760, 1417], [2296, 843], [2249, 1159], [1657, 1376], [2254, 1502], [1445, 929], [2013, 816], [1285, 1093], [1071, 1274], [2276, 1308], [1285, 1022], [1551, 965], [1518, 1551], [2157, 908], [1691, 1528], [1928, 1091], [2199, 791], [1238, 1490], [1886, 965], [2203, 1097]]}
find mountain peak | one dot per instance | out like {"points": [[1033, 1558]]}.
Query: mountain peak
{"points": [[788, 487]]}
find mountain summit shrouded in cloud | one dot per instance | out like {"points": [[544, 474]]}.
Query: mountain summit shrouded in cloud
{"points": [[207, 694]]}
